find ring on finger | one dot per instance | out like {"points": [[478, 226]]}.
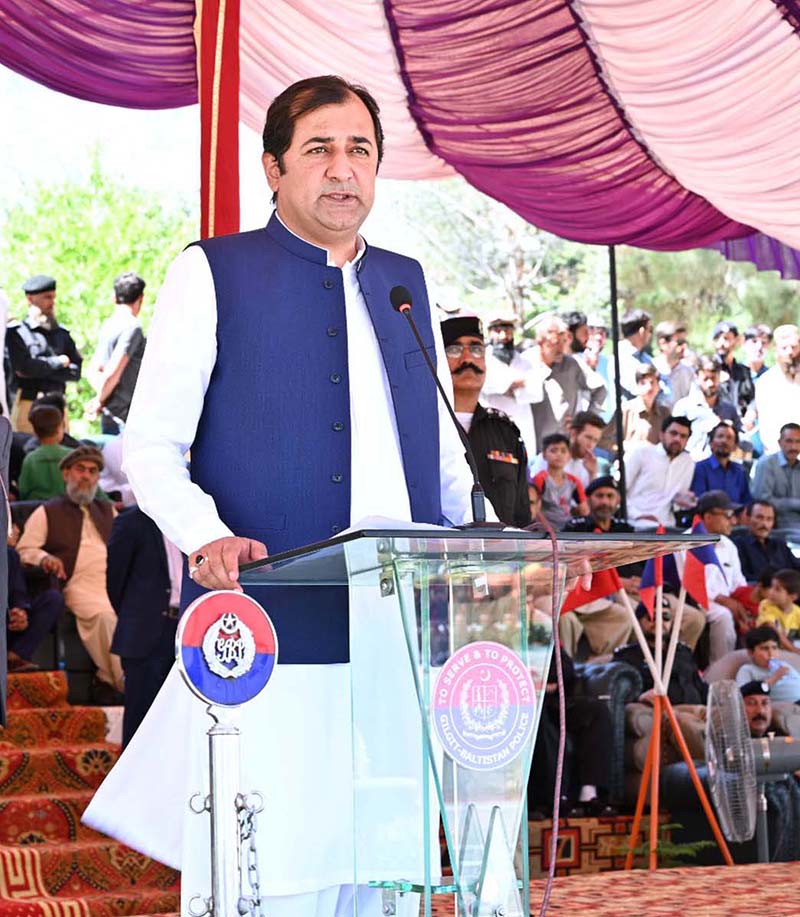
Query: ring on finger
{"points": [[199, 560]]}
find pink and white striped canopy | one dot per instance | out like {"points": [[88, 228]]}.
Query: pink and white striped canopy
{"points": [[666, 124]]}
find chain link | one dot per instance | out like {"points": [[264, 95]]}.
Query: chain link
{"points": [[250, 904]]}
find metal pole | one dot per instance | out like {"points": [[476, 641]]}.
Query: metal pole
{"points": [[612, 279], [223, 752]]}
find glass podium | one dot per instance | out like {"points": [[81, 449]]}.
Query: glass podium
{"points": [[451, 636]]}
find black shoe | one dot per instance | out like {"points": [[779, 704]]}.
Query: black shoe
{"points": [[596, 808], [106, 695]]}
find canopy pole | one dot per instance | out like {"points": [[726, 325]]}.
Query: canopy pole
{"points": [[217, 36], [612, 279]]}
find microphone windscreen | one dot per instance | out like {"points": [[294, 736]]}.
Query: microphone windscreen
{"points": [[399, 297]]}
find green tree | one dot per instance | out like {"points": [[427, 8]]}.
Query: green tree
{"points": [[84, 233], [493, 258]]}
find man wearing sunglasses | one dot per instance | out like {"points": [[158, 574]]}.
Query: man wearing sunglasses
{"points": [[499, 451]]}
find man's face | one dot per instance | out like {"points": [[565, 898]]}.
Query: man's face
{"points": [[758, 710], [762, 653], [502, 335], [708, 380], [552, 339], [787, 351], [719, 521], [467, 369], [789, 443], [597, 338], [603, 503], [584, 441], [725, 343], [535, 501], [754, 350], [580, 338], [723, 442], [647, 335], [44, 302], [761, 520], [673, 347], [674, 439], [80, 480], [328, 184], [649, 624]]}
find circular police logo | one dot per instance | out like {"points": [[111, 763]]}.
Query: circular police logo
{"points": [[483, 706], [226, 648]]}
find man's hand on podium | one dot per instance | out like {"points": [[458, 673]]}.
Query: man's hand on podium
{"points": [[216, 565]]}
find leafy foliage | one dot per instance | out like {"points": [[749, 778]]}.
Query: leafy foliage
{"points": [[84, 233], [497, 260]]}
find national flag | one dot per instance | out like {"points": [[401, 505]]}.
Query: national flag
{"points": [[694, 568], [658, 571]]}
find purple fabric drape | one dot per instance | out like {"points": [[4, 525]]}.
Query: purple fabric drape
{"points": [[129, 53], [508, 93], [766, 253]]}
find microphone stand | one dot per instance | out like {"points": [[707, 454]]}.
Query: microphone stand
{"points": [[478, 497]]}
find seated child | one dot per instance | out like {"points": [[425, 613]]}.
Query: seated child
{"points": [[562, 493], [780, 608], [782, 679]]}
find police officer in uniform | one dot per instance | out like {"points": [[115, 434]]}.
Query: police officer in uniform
{"points": [[43, 355], [499, 451]]}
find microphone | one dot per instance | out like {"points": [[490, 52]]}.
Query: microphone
{"points": [[400, 299]]}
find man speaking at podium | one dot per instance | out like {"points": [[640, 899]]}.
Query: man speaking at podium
{"points": [[306, 405]]}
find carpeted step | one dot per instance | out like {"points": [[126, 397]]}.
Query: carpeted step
{"points": [[45, 820], [38, 726], [37, 689], [53, 770], [148, 902], [82, 868]]}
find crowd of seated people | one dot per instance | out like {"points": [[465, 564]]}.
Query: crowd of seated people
{"points": [[711, 437]]}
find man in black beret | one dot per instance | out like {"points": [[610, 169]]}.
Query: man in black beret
{"points": [[43, 355], [757, 707], [499, 451]]}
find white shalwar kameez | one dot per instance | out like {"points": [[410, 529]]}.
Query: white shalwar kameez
{"points": [[297, 747]]}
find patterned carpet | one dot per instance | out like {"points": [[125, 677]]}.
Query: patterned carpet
{"points": [[52, 758], [695, 891]]}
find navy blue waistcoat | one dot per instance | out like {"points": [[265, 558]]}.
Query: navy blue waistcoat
{"points": [[273, 442]]}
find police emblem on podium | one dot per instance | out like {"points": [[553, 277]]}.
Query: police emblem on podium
{"points": [[226, 648]]}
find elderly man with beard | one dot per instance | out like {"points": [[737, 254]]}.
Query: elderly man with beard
{"points": [[778, 389], [67, 537]]}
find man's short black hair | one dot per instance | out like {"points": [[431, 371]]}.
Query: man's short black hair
{"points": [[790, 426], [646, 371], [587, 419], [762, 502], [707, 363], [633, 320], [553, 438], [760, 634], [680, 420], [306, 96], [725, 425], [574, 319], [128, 287]]}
